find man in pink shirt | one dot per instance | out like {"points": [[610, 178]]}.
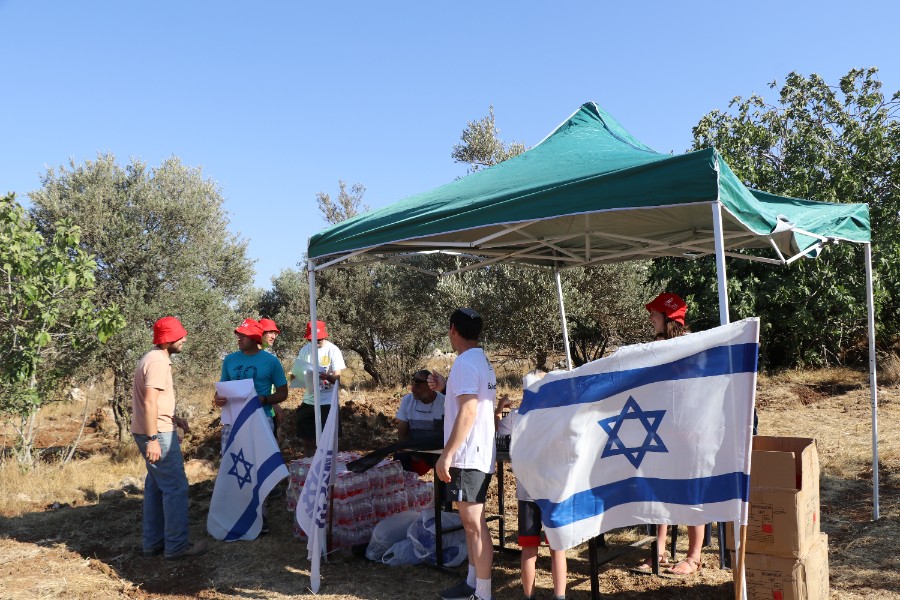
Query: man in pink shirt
{"points": [[153, 425]]}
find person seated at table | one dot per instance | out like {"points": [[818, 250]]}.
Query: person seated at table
{"points": [[530, 513], [420, 418]]}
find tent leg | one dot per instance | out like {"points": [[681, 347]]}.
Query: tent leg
{"points": [[562, 318], [313, 318], [724, 317], [873, 381]]}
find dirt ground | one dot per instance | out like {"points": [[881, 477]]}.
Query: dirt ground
{"points": [[73, 542]]}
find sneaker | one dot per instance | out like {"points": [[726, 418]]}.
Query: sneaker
{"points": [[460, 591], [477, 597], [193, 549], [265, 527], [149, 553]]}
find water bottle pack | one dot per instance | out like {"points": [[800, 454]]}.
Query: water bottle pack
{"points": [[361, 500]]}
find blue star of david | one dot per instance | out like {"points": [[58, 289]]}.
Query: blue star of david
{"points": [[650, 419], [239, 459]]}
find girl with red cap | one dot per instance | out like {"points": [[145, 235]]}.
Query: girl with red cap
{"points": [[667, 312]]}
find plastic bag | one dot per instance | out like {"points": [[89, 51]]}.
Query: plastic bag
{"points": [[388, 532], [422, 535], [401, 553]]}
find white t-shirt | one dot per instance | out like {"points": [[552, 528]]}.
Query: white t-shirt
{"points": [[472, 373], [420, 416], [330, 360]]}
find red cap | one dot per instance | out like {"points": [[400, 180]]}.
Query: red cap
{"points": [[168, 329], [321, 332], [268, 325], [251, 329], [670, 305]]}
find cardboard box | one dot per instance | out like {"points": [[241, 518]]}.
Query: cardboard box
{"points": [[784, 517], [779, 578]]}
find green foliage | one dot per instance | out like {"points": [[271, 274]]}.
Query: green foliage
{"points": [[834, 144], [480, 145], [162, 245], [48, 313]]}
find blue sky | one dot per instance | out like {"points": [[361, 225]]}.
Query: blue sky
{"points": [[278, 100]]}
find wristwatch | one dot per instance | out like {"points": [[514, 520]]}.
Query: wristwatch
{"points": [[153, 437]]}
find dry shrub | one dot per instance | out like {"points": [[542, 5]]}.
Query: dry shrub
{"points": [[74, 483], [888, 372]]}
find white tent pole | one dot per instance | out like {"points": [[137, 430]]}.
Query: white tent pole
{"points": [[562, 317], [724, 318], [873, 381], [314, 353]]}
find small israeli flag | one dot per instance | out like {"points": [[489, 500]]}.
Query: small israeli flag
{"points": [[251, 466]]}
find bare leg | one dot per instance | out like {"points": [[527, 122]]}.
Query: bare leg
{"points": [[529, 562], [478, 537], [559, 571], [691, 563]]}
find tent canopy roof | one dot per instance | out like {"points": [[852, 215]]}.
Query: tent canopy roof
{"points": [[591, 193]]}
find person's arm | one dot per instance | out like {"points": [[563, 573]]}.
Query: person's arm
{"points": [[151, 395], [278, 396], [402, 431], [437, 382], [465, 420], [332, 378], [503, 403]]}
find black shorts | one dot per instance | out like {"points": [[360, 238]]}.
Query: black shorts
{"points": [[529, 524], [468, 485], [306, 420]]}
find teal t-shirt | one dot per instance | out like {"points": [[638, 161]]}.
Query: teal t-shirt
{"points": [[263, 368]]}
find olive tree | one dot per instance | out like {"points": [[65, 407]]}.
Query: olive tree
{"points": [[830, 143], [162, 245]]}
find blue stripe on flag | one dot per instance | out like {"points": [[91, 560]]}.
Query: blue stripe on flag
{"points": [[691, 492], [249, 408], [720, 360], [248, 517]]}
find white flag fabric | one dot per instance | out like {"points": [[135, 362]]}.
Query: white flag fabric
{"points": [[654, 433], [251, 466], [312, 505]]}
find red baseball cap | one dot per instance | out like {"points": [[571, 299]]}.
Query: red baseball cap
{"points": [[268, 325], [251, 329], [321, 332], [168, 329], [670, 305]]}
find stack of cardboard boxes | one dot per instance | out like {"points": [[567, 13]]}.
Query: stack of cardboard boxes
{"points": [[786, 554]]}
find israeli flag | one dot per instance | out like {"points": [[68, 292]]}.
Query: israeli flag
{"points": [[312, 504], [654, 433], [251, 466]]}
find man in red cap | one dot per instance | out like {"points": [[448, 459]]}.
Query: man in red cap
{"points": [[270, 334], [250, 362], [153, 425], [331, 363]]}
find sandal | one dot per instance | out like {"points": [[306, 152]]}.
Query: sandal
{"points": [[693, 566], [645, 567]]}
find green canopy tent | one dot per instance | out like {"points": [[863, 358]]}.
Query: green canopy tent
{"points": [[591, 193]]}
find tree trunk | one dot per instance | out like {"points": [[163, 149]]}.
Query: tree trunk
{"points": [[121, 403]]}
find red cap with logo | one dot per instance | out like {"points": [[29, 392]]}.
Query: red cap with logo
{"points": [[268, 325], [670, 305], [251, 329], [321, 332], [168, 329]]}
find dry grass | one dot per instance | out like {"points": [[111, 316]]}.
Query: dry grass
{"points": [[91, 548]]}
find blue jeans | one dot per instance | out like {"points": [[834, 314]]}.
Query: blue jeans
{"points": [[165, 496]]}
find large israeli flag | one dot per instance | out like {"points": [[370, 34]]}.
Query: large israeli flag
{"points": [[312, 505], [251, 466], [655, 433]]}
